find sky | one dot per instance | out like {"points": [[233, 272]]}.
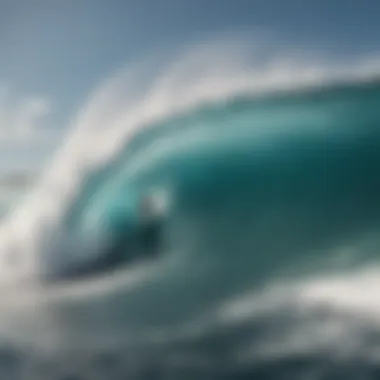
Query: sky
{"points": [[54, 53]]}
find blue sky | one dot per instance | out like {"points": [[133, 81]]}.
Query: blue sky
{"points": [[55, 52]]}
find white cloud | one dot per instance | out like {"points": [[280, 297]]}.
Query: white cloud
{"points": [[23, 118]]}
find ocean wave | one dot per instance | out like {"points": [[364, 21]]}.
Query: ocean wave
{"points": [[261, 178]]}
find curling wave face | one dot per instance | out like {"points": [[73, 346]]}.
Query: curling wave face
{"points": [[293, 178]]}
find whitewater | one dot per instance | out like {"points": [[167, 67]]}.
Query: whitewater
{"points": [[257, 255]]}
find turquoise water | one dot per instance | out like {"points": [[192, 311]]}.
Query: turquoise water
{"points": [[271, 218], [301, 167]]}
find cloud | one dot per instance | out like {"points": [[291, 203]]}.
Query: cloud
{"points": [[23, 118]]}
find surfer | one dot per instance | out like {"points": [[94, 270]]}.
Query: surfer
{"points": [[149, 230]]}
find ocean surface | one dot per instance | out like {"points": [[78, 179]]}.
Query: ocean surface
{"points": [[256, 257]]}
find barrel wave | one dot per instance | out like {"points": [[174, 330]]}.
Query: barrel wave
{"points": [[235, 239], [300, 167]]}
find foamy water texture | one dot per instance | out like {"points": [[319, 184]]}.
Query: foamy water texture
{"points": [[214, 215]]}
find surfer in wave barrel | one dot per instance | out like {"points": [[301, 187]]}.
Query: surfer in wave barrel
{"points": [[149, 229], [143, 241]]}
